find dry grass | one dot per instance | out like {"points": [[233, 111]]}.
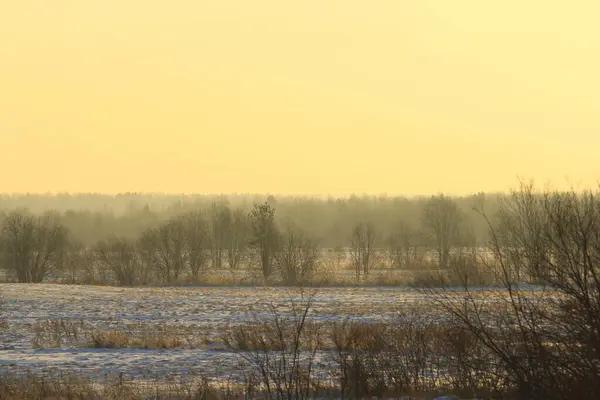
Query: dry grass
{"points": [[67, 386], [411, 355], [355, 335], [220, 280], [266, 337], [140, 336], [121, 340], [117, 387], [109, 340], [246, 337], [30, 386], [55, 333]]}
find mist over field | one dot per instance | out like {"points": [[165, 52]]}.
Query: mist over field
{"points": [[299, 199]]}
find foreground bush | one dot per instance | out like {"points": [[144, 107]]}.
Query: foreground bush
{"points": [[287, 351], [31, 386], [542, 333], [53, 333]]}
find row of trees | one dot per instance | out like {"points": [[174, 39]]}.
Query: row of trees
{"points": [[34, 247], [219, 238], [92, 218], [442, 230]]}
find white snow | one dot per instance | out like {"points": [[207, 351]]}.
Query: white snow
{"points": [[206, 312]]}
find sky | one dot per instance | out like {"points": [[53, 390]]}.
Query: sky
{"points": [[321, 97]]}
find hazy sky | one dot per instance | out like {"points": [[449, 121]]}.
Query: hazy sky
{"points": [[306, 96]]}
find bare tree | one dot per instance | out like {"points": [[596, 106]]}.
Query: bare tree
{"points": [[441, 220], [220, 223], [297, 257], [546, 338], [74, 258], [165, 248], [521, 226], [177, 247], [238, 234], [32, 245], [265, 236], [196, 242], [402, 246], [334, 260], [362, 248], [120, 258]]}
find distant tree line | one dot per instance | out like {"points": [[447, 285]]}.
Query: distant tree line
{"points": [[282, 239], [92, 217]]}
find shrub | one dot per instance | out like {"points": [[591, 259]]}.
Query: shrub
{"points": [[109, 340], [52, 385], [140, 336], [543, 341], [53, 333], [285, 344]]}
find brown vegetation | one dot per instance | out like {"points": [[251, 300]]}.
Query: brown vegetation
{"points": [[112, 387], [56, 333]]}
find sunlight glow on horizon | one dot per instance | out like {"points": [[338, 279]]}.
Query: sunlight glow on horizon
{"points": [[300, 97]]}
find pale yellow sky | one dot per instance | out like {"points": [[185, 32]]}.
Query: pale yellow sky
{"points": [[298, 97]]}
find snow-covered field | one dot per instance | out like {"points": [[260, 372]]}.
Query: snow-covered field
{"points": [[203, 313]]}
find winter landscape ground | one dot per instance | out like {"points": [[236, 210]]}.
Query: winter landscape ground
{"points": [[47, 330], [199, 315]]}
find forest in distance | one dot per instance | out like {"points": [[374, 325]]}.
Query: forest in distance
{"points": [[93, 217], [134, 239]]}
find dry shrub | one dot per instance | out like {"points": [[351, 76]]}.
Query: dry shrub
{"points": [[355, 359], [358, 348], [141, 336], [161, 342], [3, 321], [475, 369], [219, 280], [112, 387], [545, 342], [284, 344], [355, 335], [245, 337], [158, 336], [389, 278], [464, 269], [267, 336], [109, 340], [54, 333], [324, 274], [31, 386], [429, 278], [414, 353]]}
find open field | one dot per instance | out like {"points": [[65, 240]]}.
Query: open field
{"points": [[151, 337], [200, 316]]}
